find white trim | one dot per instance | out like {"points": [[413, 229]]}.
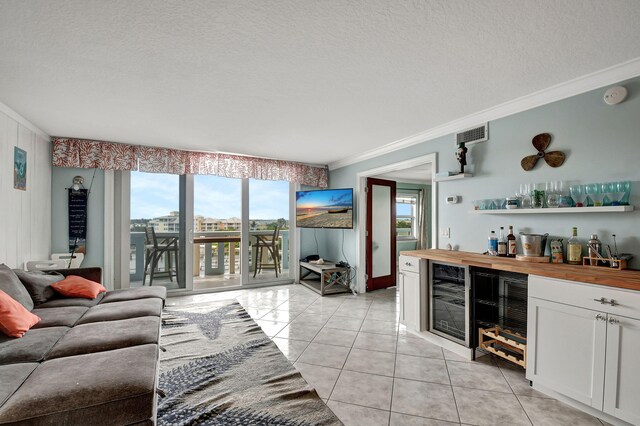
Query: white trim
{"points": [[294, 235], [109, 230], [188, 213], [362, 208], [122, 229], [551, 94], [244, 234], [5, 109]]}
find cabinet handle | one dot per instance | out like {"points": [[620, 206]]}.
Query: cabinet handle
{"points": [[613, 302], [600, 317], [614, 321], [602, 300]]}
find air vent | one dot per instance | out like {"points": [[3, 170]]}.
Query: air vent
{"points": [[474, 135]]}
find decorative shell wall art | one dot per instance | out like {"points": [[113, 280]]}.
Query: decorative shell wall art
{"points": [[552, 158]]}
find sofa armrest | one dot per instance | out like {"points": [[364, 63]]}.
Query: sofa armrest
{"points": [[92, 273]]}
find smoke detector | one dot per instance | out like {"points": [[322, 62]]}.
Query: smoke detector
{"points": [[615, 95]]}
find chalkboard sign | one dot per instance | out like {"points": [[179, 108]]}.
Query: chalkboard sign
{"points": [[78, 220]]}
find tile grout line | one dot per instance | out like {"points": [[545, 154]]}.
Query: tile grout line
{"points": [[455, 401], [514, 393], [345, 361]]}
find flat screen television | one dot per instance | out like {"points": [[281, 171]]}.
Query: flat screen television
{"points": [[325, 208]]}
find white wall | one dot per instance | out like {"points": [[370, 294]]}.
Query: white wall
{"points": [[25, 216]]}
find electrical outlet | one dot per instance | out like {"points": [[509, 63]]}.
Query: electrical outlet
{"points": [[445, 232]]}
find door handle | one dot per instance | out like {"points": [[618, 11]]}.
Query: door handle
{"points": [[614, 321], [601, 317], [602, 300]]}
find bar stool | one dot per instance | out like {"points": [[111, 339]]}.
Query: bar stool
{"points": [[155, 250], [269, 242]]}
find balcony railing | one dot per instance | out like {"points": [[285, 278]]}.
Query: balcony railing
{"points": [[216, 259]]}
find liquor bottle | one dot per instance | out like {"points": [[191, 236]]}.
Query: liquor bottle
{"points": [[511, 243], [574, 249], [492, 247], [502, 243]]}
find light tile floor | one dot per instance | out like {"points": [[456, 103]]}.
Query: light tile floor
{"points": [[370, 371]]}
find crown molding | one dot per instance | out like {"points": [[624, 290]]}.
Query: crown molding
{"points": [[585, 83], [5, 109]]}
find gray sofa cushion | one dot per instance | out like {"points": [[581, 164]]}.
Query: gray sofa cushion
{"points": [[12, 376], [38, 284], [123, 310], [117, 386], [107, 335], [60, 301], [135, 294], [32, 347], [66, 316], [10, 284]]}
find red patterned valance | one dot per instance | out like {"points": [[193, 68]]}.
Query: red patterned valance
{"points": [[89, 155], [114, 156]]}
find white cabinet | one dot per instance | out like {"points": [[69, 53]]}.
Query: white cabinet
{"points": [[582, 347], [412, 286], [622, 371]]}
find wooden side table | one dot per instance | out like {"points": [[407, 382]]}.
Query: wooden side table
{"points": [[325, 279]]}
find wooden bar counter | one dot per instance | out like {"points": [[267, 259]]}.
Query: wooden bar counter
{"points": [[628, 278]]}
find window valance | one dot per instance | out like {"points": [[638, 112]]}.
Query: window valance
{"points": [[116, 156]]}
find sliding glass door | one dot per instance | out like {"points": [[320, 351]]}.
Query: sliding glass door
{"points": [[268, 230], [217, 232], [157, 230], [208, 232]]}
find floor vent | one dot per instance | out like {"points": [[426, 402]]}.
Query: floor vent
{"points": [[474, 135]]}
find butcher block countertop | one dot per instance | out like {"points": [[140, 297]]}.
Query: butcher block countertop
{"points": [[629, 278]]}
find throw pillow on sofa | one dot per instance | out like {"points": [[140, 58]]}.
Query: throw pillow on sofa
{"points": [[38, 284], [75, 286], [15, 319], [10, 284]]}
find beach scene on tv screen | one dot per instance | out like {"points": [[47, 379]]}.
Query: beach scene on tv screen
{"points": [[332, 208]]}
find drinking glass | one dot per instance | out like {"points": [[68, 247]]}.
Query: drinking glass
{"points": [[538, 195], [578, 194], [525, 193], [499, 203], [593, 192], [476, 204], [607, 189], [552, 195], [625, 186]]}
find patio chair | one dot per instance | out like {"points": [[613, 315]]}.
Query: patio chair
{"points": [[270, 243], [154, 250]]}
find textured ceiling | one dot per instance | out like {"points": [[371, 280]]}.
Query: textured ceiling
{"points": [[306, 80]]}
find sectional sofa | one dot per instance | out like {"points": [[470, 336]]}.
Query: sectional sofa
{"points": [[88, 361]]}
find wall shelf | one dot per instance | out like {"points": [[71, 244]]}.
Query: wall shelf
{"points": [[602, 209], [453, 177]]}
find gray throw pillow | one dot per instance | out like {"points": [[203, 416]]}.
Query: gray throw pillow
{"points": [[10, 284], [38, 284]]}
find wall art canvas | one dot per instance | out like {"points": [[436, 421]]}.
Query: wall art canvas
{"points": [[19, 169]]}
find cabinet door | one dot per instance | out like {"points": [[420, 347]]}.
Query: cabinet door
{"points": [[566, 350], [622, 379], [410, 300]]}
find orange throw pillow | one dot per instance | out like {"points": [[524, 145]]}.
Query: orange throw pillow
{"points": [[15, 319], [75, 286]]}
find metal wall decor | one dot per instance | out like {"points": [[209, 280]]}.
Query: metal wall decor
{"points": [[552, 158]]}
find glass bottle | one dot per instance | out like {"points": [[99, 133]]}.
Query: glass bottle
{"points": [[511, 243], [502, 243], [574, 248], [492, 247]]}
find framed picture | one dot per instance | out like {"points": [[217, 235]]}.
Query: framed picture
{"points": [[19, 169]]}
